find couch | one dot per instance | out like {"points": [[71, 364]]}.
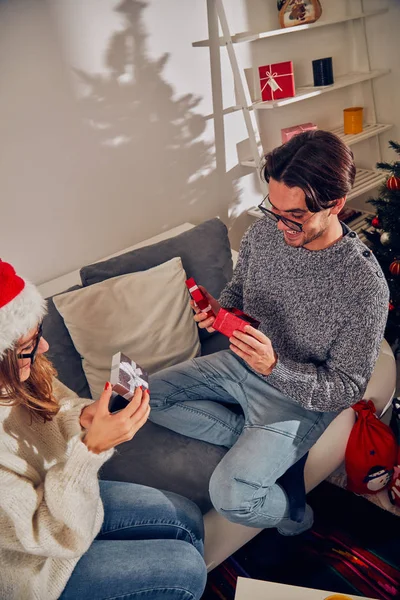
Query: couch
{"points": [[164, 459]]}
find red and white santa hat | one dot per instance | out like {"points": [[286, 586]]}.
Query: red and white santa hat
{"points": [[21, 307]]}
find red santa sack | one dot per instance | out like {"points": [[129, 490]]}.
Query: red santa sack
{"points": [[394, 486], [370, 453]]}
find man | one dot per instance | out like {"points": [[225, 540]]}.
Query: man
{"points": [[322, 301]]}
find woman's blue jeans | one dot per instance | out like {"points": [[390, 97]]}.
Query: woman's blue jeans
{"points": [[150, 547]]}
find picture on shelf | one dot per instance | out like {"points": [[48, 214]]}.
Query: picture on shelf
{"points": [[298, 12]]}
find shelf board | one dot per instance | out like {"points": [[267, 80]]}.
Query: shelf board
{"points": [[248, 163], [365, 181], [251, 37], [370, 130], [255, 212], [359, 224], [309, 91]]}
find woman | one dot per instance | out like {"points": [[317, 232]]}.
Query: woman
{"points": [[56, 540]]}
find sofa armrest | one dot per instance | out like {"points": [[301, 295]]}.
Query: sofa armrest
{"points": [[235, 255], [328, 452]]}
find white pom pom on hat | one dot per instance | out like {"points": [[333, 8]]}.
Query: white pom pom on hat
{"points": [[21, 307]]}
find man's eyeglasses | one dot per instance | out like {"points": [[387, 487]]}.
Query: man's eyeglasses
{"points": [[294, 225], [32, 355]]}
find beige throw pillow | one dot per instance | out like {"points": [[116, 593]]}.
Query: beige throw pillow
{"points": [[146, 315]]}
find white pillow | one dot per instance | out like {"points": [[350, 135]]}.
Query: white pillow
{"points": [[146, 315]]}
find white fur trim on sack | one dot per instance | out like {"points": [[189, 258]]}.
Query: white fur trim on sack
{"points": [[20, 315]]}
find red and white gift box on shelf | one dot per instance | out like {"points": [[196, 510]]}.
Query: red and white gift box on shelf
{"points": [[276, 81], [290, 132], [126, 376], [229, 320]]}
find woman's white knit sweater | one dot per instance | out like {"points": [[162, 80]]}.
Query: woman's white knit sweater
{"points": [[50, 506]]}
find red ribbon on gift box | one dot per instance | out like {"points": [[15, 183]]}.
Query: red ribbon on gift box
{"points": [[199, 297]]}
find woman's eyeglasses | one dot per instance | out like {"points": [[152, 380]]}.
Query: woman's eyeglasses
{"points": [[32, 355], [294, 225]]}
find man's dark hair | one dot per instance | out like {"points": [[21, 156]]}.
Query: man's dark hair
{"points": [[318, 162]]}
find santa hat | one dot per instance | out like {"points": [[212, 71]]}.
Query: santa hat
{"points": [[21, 307]]}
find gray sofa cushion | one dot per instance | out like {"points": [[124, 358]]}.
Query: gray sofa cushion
{"points": [[168, 461], [62, 351], [214, 343], [205, 252]]}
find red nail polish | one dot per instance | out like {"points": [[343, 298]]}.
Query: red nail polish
{"points": [[107, 386]]}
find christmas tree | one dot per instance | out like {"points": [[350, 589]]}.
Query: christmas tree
{"points": [[384, 239]]}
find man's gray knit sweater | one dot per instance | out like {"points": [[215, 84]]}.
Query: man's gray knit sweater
{"points": [[324, 311]]}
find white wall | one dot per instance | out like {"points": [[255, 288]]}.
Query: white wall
{"points": [[102, 104]]}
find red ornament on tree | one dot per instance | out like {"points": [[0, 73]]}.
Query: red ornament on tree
{"points": [[391, 306], [395, 267], [393, 183], [375, 223]]}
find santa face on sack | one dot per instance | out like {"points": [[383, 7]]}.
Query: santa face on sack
{"points": [[378, 477]]}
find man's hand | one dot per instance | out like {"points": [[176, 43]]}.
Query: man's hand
{"points": [[201, 318], [255, 348]]}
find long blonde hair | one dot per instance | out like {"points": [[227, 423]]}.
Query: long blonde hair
{"points": [[36, 393]]}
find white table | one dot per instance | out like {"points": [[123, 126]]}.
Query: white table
{"points": [[253, 589]]}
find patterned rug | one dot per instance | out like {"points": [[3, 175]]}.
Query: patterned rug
{"points": [[353, 547]]}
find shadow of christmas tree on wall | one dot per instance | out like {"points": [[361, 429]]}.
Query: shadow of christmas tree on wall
{"points": [[149, 137]]}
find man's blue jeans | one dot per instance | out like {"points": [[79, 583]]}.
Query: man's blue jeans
{"points": [[150, 546], [271, 435]]}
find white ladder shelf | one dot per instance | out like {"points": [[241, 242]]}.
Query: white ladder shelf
{"points": [[366, 180]]}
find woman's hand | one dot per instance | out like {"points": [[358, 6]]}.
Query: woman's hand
{"points": [[108, 430], [201, 318]]}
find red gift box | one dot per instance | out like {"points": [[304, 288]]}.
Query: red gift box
{"points": [[126, 376], [277, 81], [199, 297], [229, 320], [290, 132]]}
